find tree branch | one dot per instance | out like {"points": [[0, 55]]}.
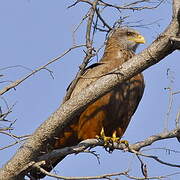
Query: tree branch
{"points": [[104, 176], [91, 143], [18, 82], [45, 134], [89, 51]]}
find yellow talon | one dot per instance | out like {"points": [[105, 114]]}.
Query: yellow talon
{"points": [[105, 138], [110, 140], [124, 142], [114, 134], [114, 138], [102, 132]]}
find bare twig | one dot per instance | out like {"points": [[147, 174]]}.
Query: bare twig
{"points": [[13, 135], [104, 176], [16, 66], [170, 101], [161, 148], [17, 82], [102, 20], [56, 123], [93, 153], [177, 92], [131, 6], [12, 144], [16, 139], [155, 158], [3, 115], [89, 52], [177, 119], [86, 1], [143, 167], [77, 27]]}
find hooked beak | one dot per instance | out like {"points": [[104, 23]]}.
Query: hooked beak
{"points": [[138, 39]]}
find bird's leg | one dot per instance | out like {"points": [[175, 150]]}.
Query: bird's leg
{"points": [[103, 137], [117, 139], [124, 142], [111, 140], [107, 140]]}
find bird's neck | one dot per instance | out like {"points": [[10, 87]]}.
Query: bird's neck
{"points": [[115, 51]]}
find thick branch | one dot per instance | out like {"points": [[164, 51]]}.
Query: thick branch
{"points": [[89, 143], [29, 152]]}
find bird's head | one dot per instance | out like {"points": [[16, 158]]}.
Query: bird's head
{"points": [[128, 38]]}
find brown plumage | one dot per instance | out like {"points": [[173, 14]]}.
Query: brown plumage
{"points": [[114, 110]]}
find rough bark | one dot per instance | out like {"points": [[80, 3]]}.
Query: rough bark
{"points": [[160, 48]]}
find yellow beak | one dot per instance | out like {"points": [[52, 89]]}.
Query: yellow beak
{"points": [[138, 39]]}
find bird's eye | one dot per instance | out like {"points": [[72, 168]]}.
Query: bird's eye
{"points": [[129, 33]]}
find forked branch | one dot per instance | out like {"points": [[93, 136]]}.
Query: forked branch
{"points": [[45, 134]]}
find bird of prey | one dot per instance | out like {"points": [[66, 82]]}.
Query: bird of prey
{"points": [[110, 114]]}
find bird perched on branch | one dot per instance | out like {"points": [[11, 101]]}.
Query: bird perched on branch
{"points": [[110, 114]]}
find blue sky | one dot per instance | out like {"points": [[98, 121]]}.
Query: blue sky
{"points": [[33, 32]]}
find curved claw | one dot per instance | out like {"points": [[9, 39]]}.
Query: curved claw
{"points": [[110, 140], [124, 142]]}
